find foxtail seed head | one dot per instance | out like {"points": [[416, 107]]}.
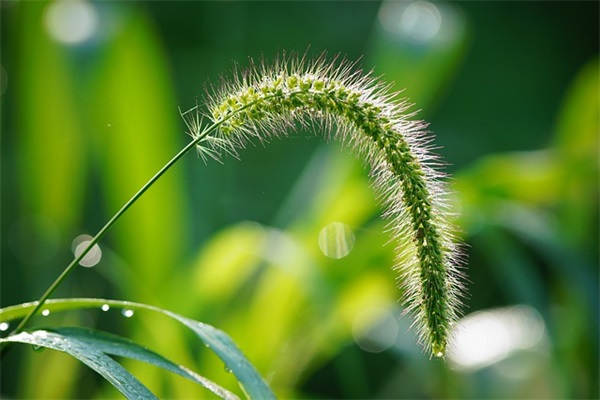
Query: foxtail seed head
{"points": [[359, 110]]}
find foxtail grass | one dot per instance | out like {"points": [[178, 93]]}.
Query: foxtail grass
{"points": [[335, 98]]}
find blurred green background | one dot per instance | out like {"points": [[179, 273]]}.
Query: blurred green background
{"points": [[91, 93]]}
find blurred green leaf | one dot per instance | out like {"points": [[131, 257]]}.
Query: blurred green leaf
{"points": [[138, 132], [51, 143], [577, 146], [579, 118], [530, 178], [227, 261]]}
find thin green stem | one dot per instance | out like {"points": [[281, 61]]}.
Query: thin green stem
{"points": [[109, 224]]}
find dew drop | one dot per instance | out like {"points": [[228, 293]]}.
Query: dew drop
{"points": [[336, 240], [38, 348], [105, 307], [439, 354], [127, 313], [46, 312], [228, 370], [4, 326], [40, 335]]}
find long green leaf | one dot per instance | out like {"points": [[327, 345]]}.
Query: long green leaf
{"points": [[218, 341], [91, 356], [120, 346]]}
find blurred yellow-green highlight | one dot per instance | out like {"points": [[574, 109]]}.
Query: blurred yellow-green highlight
{"points": [[285, 250]]}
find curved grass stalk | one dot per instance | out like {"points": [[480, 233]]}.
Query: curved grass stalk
{"points": [[359, 110]]}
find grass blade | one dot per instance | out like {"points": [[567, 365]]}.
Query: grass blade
{"points": [[88, 354], [219, 342]]}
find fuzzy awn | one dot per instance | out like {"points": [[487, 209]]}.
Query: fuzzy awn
{"points": [[359, 110]]}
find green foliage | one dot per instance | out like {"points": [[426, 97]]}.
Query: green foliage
{"points": [[236, 245]]}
